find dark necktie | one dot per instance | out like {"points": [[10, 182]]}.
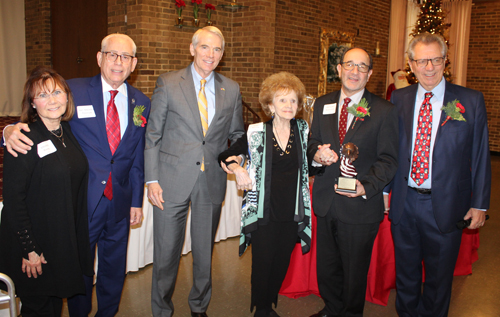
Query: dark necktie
{"points": [[420, 161], [343, 120], [113, 132]]}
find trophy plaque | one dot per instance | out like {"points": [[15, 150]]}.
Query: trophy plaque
{"points": [[347, 180]]}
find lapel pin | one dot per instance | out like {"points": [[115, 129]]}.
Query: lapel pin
{"points": [[223, 89]]}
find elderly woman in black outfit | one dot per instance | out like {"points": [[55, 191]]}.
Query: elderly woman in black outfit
{"points": [[43, 231], [276, 206]]}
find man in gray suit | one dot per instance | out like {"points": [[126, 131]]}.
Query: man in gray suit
{"points": [[194, 113]]}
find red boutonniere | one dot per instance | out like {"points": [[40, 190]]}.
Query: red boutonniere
{"points": [[453, 111], [139, 120], [360, 110]]}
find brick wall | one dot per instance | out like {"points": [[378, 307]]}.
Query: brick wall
{"points": [[483, 70], [267, 37], [38, 33], [298, 25]]}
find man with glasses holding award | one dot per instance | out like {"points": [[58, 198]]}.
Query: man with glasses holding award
{"points": [[109, 125], [443, 178], [360, 133]]}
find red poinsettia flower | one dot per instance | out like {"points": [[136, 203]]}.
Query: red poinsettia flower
{"points": [[459, 106], [196, 1], [209, 6], [361, 109], [180, 3]]}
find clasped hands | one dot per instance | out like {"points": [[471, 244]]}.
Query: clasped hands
{"points": [[325, 156], [243, 180]]}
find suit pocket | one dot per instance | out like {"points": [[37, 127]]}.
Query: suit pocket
{"points": [[168, 158]]}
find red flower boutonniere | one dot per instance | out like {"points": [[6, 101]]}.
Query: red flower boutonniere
{"points": [[360, 110], [139, 120], [453, 111]]}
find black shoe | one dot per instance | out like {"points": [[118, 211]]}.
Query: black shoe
{"points": [[273, 313], [199, 314]]}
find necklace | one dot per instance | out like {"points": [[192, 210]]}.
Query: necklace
{"points": [[58, 133], [278, 145]]}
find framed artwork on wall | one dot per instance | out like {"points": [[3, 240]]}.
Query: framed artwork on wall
{"points": [[332, 44]]}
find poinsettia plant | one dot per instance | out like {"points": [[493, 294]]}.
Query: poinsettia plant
{"points": [[196, 7], [180, 4], [453, 111], [209, 7], [360, 110]]}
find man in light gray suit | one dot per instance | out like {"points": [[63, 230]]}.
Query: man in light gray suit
{"points": [[194, 112]]}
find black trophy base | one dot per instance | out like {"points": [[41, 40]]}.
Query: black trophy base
{"points": [[346, 184]]}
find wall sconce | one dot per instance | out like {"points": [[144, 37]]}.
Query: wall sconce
{"points": [[377, 49]]}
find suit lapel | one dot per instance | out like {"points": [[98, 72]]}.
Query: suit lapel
{"points": [[187, 86], [95, 93], [408, 110], [333, 121], [220, 94], [130, 109], [354, 126], [449, 96]]}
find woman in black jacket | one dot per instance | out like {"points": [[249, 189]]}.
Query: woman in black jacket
{"points": [[44, 228]]}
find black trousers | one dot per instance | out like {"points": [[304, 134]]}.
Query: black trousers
{"points": [[41, 306], [343, 259], [272, 246]]}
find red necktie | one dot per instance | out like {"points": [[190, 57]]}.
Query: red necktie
{"points": [[343, 120], [420, 161], [113, 131]]}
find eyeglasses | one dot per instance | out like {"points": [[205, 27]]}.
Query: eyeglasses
{"points": [[363, 68], [112, 57], [436, 61], [45, 96]]}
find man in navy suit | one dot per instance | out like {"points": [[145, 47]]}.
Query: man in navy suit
{"points": [[112, 208], [443, 176]]}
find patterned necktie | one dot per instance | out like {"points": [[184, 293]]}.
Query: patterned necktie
{"points": [[113, 132], [343, 120], [420, 161], [203, 106]]}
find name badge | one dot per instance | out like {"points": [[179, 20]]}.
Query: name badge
{"points": [[45, 148], [330, 108], [85, 112]]}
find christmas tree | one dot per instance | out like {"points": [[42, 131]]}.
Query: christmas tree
{"points": [[431, 20]]}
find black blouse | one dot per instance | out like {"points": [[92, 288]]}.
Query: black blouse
{"points": [[284, 179]]}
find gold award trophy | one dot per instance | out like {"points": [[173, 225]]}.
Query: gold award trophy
{"points": [[347, 181]]}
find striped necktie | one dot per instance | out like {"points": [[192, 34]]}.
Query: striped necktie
{"points": [[203, 106]]}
